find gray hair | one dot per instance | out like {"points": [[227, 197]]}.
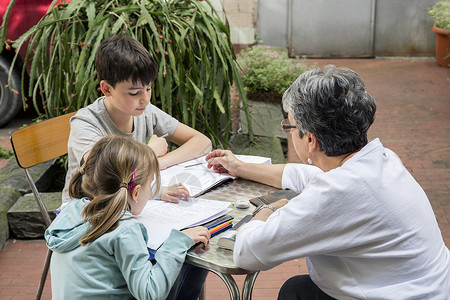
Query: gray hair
{"points": [[333, 104]]}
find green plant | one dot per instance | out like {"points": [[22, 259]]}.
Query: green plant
{"points": [[440, 13], [6, 153], [187, 38], [269, 69]]}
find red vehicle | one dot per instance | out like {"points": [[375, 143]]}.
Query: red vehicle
{"points": [[23, 16]]}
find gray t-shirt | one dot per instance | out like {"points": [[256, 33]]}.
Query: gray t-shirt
{"points": [[93, 122]]}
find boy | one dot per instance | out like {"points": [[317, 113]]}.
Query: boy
{"points": [[126, 72]]}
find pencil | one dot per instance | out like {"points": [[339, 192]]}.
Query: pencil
{"points": [[211, 231], [221, 229], [197, 164]]}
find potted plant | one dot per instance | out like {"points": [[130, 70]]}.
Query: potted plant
{"points": [[189, 41], [440, 13], [268, 71]]}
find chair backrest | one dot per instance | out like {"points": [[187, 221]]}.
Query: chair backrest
{"points": [[39, 143], [42, 141], [36, 144]]}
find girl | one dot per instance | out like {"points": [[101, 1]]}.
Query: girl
{"points": [[99, 248]]}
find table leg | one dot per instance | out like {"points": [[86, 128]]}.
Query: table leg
{"points": [[248, 285], [230, 283]]}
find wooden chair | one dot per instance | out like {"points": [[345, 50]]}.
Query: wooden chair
{"points": [[36, 144]]}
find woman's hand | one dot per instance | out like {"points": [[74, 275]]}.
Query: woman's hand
{"points": [[223, 161], [174, 193], [199, 234], [159, 145]]}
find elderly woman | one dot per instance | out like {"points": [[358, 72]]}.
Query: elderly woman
{"points": [[365, 225]]}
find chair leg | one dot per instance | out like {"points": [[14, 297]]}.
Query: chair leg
{"points": [[44, 274], [202, 294]]}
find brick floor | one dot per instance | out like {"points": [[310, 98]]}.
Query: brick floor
{"points": [[20, 269], [413, 100]]}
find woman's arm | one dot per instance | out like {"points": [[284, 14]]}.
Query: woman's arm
{"points": [[224, 161]]}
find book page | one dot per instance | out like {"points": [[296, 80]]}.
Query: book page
{"points": [[197, 178], [252, 159], [160, 217]]}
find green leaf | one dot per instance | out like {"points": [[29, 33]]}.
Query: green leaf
{"points": [[141, 21], [4, 26], [219, 101], [90, 12]]}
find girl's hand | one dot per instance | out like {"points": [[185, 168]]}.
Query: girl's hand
{"points": [[159, 145], [174, 193], [199, 234]]}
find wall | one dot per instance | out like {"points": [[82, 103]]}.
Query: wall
{"points": [[345, 28], [403, 27], [331, 28], [241, 15]]}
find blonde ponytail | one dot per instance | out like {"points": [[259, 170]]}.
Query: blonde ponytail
{"points": [[114, 166]]}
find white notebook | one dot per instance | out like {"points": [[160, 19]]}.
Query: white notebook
{"points": [[161, 217]]}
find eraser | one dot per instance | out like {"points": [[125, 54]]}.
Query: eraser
{"points": [[242, 203]]}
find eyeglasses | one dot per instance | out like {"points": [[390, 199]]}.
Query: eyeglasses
{"points": [[286, 126]]}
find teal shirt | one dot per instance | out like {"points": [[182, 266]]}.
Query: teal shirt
{"points": [[116, 265]]}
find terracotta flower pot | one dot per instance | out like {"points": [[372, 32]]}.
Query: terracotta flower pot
{"points": [[442, 46]]}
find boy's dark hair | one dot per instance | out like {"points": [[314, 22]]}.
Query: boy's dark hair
{"points": [[120, 58]]}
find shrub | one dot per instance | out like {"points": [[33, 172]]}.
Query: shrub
{"points": [[269, 69]]}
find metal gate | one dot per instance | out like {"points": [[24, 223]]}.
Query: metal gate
{"points": [[347, 28]]}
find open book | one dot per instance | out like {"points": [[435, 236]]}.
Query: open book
{"points": [[197, 178], [160, 217]]}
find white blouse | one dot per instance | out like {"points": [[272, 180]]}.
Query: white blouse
{"points": [[367, 229]]}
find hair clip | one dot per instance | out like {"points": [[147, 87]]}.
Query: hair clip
{"points": [[132, 184]]}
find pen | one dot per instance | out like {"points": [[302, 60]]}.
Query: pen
{"points": [[197, 164]]}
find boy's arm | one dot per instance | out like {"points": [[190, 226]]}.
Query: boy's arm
{"points": [[192, 145]]}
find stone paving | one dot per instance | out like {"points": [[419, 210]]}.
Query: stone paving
{"points": [[413, 99]]}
